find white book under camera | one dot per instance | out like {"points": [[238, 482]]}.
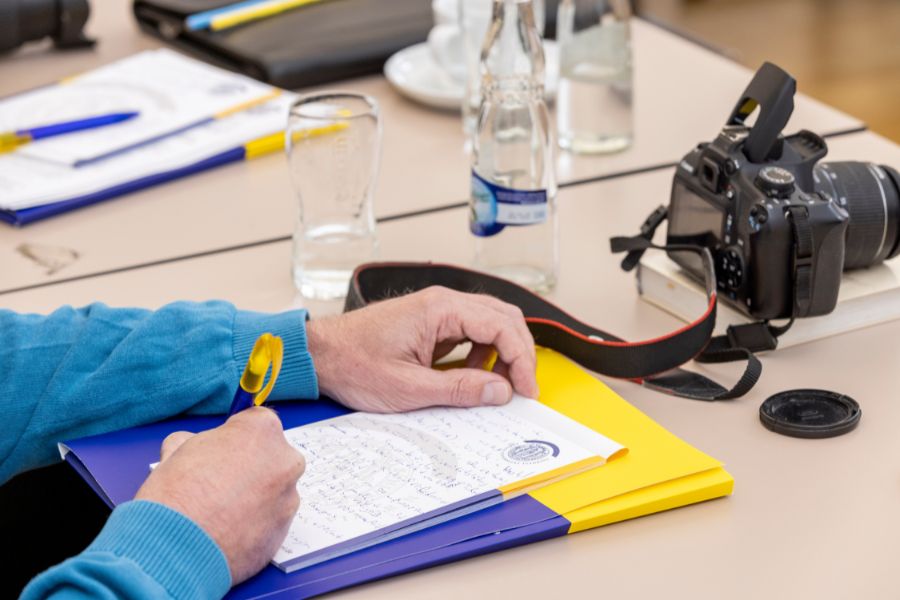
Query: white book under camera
{"points": [[867, 297]]}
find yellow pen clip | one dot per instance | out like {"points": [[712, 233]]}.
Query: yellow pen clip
{"points": [[267, 351]]}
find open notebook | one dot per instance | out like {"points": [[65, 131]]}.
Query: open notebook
{"points": [[374, 477]]}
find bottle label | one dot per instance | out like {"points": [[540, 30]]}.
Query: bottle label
{"points": [[493, 207]]}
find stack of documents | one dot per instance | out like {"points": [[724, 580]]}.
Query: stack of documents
{"points": [[561, 474], [192, 116]]}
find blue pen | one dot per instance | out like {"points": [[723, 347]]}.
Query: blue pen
{"points": [[12, 140], [203, 20], [268, 350]]}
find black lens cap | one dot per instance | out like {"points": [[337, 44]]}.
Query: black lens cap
{"points": [[810, 413]]}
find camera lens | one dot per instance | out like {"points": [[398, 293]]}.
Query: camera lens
{"points": [[871, 196]]}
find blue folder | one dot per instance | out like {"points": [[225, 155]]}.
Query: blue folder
{"points": [[116, 476], [36, 213]]}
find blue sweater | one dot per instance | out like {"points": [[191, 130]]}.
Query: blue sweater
{"points": [[80, 372]]}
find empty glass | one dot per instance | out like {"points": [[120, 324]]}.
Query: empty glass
{"points": [[594, 107], [333, 147]]}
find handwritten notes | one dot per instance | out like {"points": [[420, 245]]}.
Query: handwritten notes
{"points": [[372, 477]]}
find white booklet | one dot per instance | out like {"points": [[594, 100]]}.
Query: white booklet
{"points": [[866, 297], [26, 181], [170, 91], [375, 477]]}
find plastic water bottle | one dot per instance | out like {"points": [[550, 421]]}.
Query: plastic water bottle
{"points": [[594, 103], [513, 201]]}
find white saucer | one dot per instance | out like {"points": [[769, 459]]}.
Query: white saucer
{"points": [[414, 73]]}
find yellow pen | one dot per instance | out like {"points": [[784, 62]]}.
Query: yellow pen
{"points": [[267, 351]]}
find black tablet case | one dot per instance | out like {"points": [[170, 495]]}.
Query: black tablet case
{"points": [[323, 42]]}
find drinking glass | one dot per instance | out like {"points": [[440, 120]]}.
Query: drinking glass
{"points": [[333, 148], [594, 107]]}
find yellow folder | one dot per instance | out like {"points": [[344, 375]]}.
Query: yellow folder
{"points": [[659, 471]]}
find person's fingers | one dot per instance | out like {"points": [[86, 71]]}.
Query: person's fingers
{"points": [[257, 418], [487, 327], [513, 312], [444, 347], [469, 302], [463, 387], [479, 356], [172, 443], [501, 368], [294, 463]]}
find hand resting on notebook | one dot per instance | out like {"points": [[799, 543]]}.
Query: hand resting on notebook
{"points": [[379, 358]]}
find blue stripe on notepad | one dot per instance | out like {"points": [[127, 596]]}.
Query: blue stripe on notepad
{"points": [[36, 213]]}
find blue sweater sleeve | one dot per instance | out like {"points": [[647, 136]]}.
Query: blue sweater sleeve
{"points": [[145, 551], [79, 372]]}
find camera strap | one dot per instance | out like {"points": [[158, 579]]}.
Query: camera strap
{"points": [[739, 341], [653, 363]]}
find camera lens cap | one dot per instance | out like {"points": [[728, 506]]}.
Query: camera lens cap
{"points": [[810, 413]]}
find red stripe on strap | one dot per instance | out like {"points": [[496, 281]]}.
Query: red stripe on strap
{"points": [[581, 336]]}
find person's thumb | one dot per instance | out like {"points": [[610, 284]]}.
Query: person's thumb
{"points": [[172, 443], [468, 387]]}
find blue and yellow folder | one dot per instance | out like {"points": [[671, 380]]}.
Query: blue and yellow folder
{"points": [[659, 472], [259, 147]]}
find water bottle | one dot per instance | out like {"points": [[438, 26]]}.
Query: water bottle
{"points": [[513, 201], [594, 102], [474, 18]]}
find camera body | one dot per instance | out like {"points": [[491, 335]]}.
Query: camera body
{"points": [[781, 226], [742, 212]]}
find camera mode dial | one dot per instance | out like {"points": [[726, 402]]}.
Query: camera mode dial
{"points": [[775, 181]]}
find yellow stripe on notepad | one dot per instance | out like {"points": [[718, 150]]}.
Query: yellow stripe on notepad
{"points": [[520, 487], [248, 104], [275, 142]]}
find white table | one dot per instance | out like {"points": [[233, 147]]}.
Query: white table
{"points": [[683, 94], [808, 519]]}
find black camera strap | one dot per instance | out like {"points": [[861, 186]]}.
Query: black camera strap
{"points": [[803, 255], [654, 363], [739, 341]]}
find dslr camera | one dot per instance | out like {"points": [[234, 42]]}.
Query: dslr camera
{"points": [[781, 226]]}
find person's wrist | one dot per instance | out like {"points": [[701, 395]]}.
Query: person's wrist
{"points": [[319, 344]]}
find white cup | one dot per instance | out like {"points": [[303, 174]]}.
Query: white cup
{"points": [[446, 39], [446, 12]]}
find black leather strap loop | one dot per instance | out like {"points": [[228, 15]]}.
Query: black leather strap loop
{"points": [[803, 250]]}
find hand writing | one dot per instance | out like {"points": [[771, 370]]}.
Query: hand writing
{"points": [[238, 482], [379, 358]]}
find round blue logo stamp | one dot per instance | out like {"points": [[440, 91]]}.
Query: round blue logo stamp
{"points": [[530, 452]]}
